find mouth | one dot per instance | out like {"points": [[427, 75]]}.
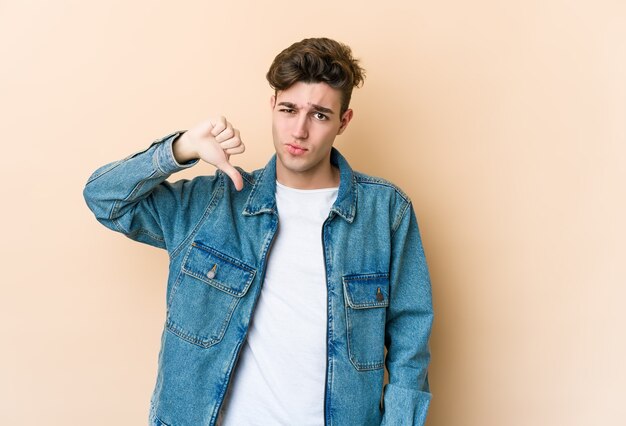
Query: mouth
{"points": [[295, 149]]}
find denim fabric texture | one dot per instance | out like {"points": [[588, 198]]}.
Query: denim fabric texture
{"points": [[218, 241]]}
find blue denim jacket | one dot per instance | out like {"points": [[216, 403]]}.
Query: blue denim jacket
{"points": [[218, 240]]}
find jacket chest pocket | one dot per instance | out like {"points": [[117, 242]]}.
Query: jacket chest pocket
{"points": [[367, 297], [210, 286]]}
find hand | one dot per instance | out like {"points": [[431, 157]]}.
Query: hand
{"points": [[214, 141]]}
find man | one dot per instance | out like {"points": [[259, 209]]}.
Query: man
{"points": [[287, 283]]}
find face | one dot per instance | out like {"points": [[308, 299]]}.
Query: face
{"points": [[305, 122]]}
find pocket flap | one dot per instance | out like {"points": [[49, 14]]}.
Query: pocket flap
{"points": [[367, 290], [218, 270]]}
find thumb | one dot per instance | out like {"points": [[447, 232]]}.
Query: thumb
{"points": [[232, 173]]}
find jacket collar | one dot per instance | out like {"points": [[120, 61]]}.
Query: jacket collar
{"points": [[262, 198]]}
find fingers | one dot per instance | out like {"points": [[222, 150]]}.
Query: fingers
{"points": [[231, 142], [225, 134], [232, 173], [219, 126], [229, 138], [237, 150], [226, 142], [234, 145]]}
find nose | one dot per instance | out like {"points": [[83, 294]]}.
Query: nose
{"points": [[300, 127]]}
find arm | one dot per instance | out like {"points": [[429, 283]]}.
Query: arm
{"points": [[409, 320], [132, 196]]}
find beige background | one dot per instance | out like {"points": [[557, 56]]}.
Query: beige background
{"points": [[503, 120]]}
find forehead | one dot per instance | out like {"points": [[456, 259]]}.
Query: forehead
{"points": [[305, 94]]}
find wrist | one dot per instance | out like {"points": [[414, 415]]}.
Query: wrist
{"points": [[183, 149]]}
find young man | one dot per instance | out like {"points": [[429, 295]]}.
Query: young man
{"points": [[286, 284]]}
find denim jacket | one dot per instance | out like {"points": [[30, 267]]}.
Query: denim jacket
{"points": [[218, 241]]}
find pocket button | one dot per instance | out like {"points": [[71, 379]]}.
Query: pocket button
{"points": [[211, 274], [379, 295]]}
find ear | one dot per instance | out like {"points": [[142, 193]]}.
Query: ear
{"points": [[345, 119], [273, 101]]}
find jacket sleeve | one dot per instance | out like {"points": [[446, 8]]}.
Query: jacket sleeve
{"points": [[407, 331], [132, 196]]}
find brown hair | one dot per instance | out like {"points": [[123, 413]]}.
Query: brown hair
{"points": [[316, 60]]}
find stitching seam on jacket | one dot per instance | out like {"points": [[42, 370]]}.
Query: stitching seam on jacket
{"points": [[399, 219], [113, 215], [215, 197]]}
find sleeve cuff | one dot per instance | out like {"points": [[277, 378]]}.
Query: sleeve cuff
{"points": [[164, 156]]}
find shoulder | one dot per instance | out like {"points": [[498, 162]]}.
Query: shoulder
{"points": [[382, 196], [380, 186]]}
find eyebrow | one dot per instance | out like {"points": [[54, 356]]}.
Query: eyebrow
{"points": [[315, 107]]}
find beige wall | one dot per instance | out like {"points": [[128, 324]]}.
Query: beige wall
{"points": [[504, 121]]}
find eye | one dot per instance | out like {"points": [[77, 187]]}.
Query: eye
{"points": [[287, 110], [320, 116]]}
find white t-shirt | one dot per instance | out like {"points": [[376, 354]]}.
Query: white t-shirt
{"points": [[280, 376]]}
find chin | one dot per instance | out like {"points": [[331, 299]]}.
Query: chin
{"points": [[293, 165]]}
